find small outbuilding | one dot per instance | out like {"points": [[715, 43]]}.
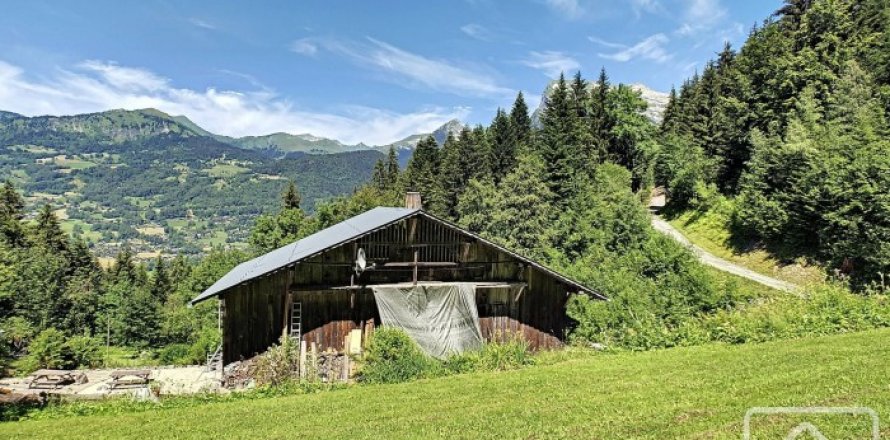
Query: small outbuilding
{"points": [[447, 287]]}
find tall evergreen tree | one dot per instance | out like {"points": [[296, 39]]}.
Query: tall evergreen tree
{"points": [[555, 140], [422, 174], [48, 231], [520, 122], [11, 202], [291, 198], [502, 152], [162, 285]]}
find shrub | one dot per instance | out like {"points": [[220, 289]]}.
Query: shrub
{"points": [[175, 354], [207, 342], [279, 365], [392, 356], [510, 354], [83, 351], [48, 350]]}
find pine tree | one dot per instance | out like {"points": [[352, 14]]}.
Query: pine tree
{"points": [[124, 269], [11, 212], [600, 120], [291, 197], [502, 153], [582, 137], [520, 122], [48, 231], [380, 178], [11, 202], [422, 174], [521, 216], [555, 140], [162, 284], [453, 175], [392, 167]]}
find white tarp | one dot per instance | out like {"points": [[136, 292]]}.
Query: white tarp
{"points": [[441, 318]]}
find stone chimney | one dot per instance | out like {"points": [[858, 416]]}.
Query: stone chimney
{"points": [[412, 200]]}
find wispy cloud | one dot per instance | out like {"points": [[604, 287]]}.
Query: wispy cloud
{"points": [[477, 31], [650, 48], [94, 86], [700, 15], [571, 9], [645, 6], [552, 63], [202, 23], [304, 46], [414, 70], [606, 43]]}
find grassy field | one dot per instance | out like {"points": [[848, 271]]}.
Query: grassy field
{"points": [[699, 392], [710, 232]]}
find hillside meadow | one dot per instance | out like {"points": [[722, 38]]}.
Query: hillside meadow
{"points": [[698, 392]]}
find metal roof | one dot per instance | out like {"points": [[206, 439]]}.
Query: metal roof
{"points": [[344, 232], [320, 241]]}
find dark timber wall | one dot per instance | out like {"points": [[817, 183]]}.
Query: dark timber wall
{"points": [[256, 313]]}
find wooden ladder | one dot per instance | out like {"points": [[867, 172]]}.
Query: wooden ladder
{"points": [[214, 360], [296, 320]]}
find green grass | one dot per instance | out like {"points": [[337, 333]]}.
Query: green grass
{"points": [[710, 231], [698, 392], [225, 170], [124, 357], [87, 229]]}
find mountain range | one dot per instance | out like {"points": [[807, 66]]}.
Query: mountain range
{"points": [[163, 183]]}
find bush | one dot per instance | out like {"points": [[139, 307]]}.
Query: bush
{"points": [[392, 356], [493, 356], [207, 342], [48, 350], [279, 365], [175, 354], [84, 351]]}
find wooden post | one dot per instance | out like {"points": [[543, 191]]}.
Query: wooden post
{"points": [[416, 252], [302, 359], [288, 301]]}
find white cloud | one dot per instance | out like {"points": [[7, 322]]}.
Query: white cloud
{"points": [[700, 15], [648, 6], [416, 70], [477, 31], [94, 86], [570, 9], [552, 63], [304, 46], [650, 48], [606, 43], [202, 24]]}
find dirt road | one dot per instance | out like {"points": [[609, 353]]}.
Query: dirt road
{"points": [[716, 262]]}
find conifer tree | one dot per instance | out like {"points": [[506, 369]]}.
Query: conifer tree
{"points": [[11, 202], [520, 122], [502, 152], [48, 230], [422, 174], [291, 198], [162, 285], [392, 167], [555, 140]]}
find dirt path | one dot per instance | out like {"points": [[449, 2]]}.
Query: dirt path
{"points": [[712, 260]]}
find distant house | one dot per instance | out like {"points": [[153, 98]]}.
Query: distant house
{"points": [[328, 288]]}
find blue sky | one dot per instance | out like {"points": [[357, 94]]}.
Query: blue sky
{"points": [[372, 71]]}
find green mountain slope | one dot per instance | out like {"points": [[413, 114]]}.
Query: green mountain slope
{"points": [[161, 183]]}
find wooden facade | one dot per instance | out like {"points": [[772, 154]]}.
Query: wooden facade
{"points": [[514, 296]]}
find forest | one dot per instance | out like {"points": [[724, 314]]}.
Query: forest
{"points": [[787, 137]]}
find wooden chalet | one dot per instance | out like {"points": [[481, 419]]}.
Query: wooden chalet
{"points": [[313, 290]]}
